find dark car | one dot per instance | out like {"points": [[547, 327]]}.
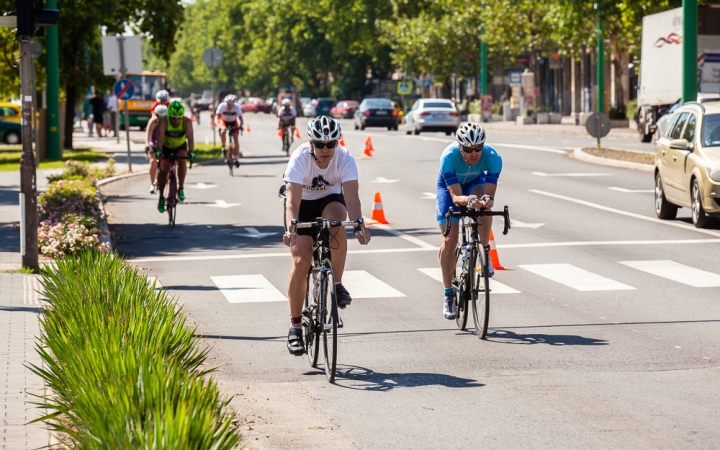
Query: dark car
{"points": [[323, 105], [345, 109], [376, 112]]}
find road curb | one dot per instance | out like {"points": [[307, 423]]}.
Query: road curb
{"points": [[584, 157], [109, 180]]}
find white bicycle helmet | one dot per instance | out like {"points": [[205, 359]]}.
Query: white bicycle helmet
{"points": [[323, 129], [229, 98], [470, 134], [162, 95], [160, 110], [286, 102]]}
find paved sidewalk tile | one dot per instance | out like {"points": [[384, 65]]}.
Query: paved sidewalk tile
{"points": [[19, 306]]}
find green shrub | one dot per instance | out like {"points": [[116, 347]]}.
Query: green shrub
{"points": [[124, 368], [631, 109], [529, 111], [475, 107], [79, 170], [617, 112], [497, 108], [69, 197], [70, 235]]}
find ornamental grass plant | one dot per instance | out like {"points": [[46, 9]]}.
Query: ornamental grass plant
{"points": [[124, 368]]}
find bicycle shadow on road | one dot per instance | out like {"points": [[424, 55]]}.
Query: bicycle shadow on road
{"points": [[509, 337], [363, 379]]}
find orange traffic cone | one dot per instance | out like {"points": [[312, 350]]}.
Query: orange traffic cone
{"points": [[494, 254], [297, 134], [247, 127], [342, 141], [378, 215], [368, 151], [280, 133], [369, 144]]}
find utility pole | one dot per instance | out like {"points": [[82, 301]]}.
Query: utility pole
{"points": [[689, 58], [52, 142], [28, 176], [600, 61], [123, 73]]}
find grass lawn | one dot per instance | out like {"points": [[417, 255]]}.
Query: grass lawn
{"points": [[206, 152], [10, 160]]}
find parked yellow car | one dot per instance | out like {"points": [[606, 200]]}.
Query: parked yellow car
{"points": [[687, 164], [10, 123], [10, 112]]}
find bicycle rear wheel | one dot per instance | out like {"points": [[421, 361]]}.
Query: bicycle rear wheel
{"points": [[461, 296], [310, 322], [330, 321], [480, 293], [286, 142], [229, 155], [171, 200]]}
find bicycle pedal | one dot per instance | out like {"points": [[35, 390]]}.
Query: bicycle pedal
{"points": [[340, 322]]}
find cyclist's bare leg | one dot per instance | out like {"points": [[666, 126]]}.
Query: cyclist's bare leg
{"points": [[236, 145], [447, 253], [485, 223], [153, 169], [162, 175], [222, 132], [301, 252], [182, 168], [338, 238]]}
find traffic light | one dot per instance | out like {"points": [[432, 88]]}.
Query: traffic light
{"points": [[31, 14]]}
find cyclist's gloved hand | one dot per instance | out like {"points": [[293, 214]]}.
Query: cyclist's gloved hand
{"points": [[192, 156], [158, 153], [486, 201]]}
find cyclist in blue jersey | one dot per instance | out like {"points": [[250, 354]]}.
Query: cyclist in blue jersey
{"points": [[469, 172]]}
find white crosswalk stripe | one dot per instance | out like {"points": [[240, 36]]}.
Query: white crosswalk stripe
{"points": [[575, 277], [676, 272], [496, 287], [361, 284], [248, 289]]}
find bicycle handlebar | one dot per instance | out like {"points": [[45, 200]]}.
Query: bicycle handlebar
{"points": [[325, 224], [175, 158], [464, 212]]}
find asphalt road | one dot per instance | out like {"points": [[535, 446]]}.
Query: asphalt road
{"points": [[609, 337]]}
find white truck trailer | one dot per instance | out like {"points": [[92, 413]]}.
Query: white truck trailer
{"points": [[661, 63]]}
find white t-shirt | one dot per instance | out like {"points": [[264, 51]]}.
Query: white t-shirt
{"points": [[287, 115], [112, 103], [318, 183], [229, 115]]}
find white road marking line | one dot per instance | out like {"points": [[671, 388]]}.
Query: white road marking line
{"points": [[285, 254], [631, 191], [253, 232], [361, 284], [575, 277], [158, 284], [517, 224], [419, 242], [248, 289], [626, 213], [531, 147], [202, 186], [383, 180], [496, 287], [429, 196], [676, 272], [224, 204], [677, 346], [543, 174]]}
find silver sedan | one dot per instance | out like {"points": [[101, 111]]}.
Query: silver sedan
{"points": [[432, 114]]}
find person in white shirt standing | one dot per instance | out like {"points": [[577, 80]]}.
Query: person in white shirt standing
{"points": [[321, 180], [113, 107]]}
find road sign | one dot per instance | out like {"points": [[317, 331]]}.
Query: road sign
{"points": [[404, 87], [132, 54], [598, 125], [124, 89], [213, 57], [515, 78]]}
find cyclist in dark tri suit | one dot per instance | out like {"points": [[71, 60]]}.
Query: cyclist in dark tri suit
{"points": [[175, 137]]}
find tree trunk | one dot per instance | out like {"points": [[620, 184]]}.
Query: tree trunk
{"points": [[71, 94]]}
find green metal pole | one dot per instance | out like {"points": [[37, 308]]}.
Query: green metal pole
{"points": [[53, 89], [690, 50], [600, 63], [483, 68]]}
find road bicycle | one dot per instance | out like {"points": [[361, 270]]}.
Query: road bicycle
{"points": [[171, 187], [320, 318], [286, 137], [471, 279], [232, 138]]}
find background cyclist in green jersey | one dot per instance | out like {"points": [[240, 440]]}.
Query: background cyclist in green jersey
{"points": [[174, 137]]}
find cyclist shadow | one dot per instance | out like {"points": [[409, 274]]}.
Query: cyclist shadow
{"points": [[508, 337], [363, 379]]}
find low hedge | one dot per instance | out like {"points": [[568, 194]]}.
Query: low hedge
{"points": [[124, 369]]}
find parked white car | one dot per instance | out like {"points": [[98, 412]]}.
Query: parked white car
{"points": [[308, 109], [432, 114]]}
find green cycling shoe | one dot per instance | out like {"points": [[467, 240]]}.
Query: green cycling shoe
{"points": [[181, 194], [161, 205]]}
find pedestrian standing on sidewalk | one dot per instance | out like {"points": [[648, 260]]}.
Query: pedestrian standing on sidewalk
{"points": [[113, 107], [98, 107]]}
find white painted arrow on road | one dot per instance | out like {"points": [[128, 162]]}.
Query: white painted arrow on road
{"points": [[203, 186], [253, 232], [543, 174], [224, 204], [429, 196], [518, 224], [383, 180], [632, 191]]}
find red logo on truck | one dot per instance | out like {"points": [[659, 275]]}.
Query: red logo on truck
{"points": [[673, 38]]}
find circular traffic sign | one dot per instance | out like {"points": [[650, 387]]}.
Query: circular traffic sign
{"points": [[124, 89], [598, 125], [213, 57]]}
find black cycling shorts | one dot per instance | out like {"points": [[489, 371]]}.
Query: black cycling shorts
{"points": [[312, 209], [167, 153]]}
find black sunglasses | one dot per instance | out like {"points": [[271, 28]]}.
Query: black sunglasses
{"points": [[321, 145], [472, 149]]}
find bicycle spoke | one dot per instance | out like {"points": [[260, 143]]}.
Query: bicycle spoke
{"points": [[328, 301]]}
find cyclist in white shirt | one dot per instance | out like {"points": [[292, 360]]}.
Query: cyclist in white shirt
{"points": [[321, 180], [230, 119], [287, 115]]}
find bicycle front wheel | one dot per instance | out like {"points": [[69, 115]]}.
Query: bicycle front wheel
{"points": [[310, 323], [480, 293], [171, 200], [461, 296], [330, 320]]}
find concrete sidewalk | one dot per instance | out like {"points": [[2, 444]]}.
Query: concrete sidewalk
{"points": [[564, 129], [19, 328]]}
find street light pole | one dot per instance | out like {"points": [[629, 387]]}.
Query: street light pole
{"points": [[600, 62], [123, 73], [689, 46], [52, 70], [28, 175]]}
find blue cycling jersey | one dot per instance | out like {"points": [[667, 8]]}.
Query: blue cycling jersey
{"points": [[454, 169]]}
